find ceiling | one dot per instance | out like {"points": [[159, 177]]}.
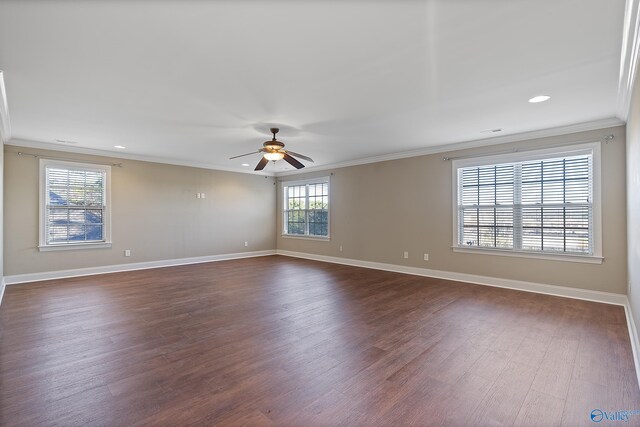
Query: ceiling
{"points": [[197, 82]]}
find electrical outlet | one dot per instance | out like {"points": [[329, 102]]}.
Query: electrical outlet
{"points": [[203, 196], [197, 195], [340, 248], [406, 255], [246, 243], [426, 257], [127, 252]]}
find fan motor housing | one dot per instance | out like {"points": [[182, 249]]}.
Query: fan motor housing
{"points": [[273, 145]]}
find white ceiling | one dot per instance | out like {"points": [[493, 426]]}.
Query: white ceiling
{"points": [[198, 82]]}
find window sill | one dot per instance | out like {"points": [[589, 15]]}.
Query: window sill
{"points": [[74, 246], [589, 259], [304, 237]]}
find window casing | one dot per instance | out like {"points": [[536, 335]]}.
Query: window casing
{"points": [[74, 205], [543, 203], [306, 208]]}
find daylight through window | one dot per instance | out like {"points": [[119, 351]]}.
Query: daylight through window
{"points": [[74, 205], [306, 208], [539, 204]]}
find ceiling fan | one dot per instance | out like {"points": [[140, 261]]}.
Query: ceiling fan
{"points": [[274, 150]]}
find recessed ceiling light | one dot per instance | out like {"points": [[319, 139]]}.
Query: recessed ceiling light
{"points": [[539, 98], [121, 147], [245, 164]]}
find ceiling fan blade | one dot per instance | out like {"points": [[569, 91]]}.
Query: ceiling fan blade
{"points": [[293, 162], [261, 164], [309, 159], [242, 155]]}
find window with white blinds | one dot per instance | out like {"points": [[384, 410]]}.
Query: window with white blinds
{"points": [[536, 202], [74, 204], [306, 208]]}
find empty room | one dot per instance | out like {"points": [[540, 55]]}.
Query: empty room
{"points": [[319, 213]]}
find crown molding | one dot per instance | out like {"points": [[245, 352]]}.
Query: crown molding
{"points": [[542, 133], [127, 156], [629, 57], [5, 124]]}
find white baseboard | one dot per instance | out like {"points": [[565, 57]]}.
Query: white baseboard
{"points": [[3, 285], [61, 274], [539, 288], [561, 291], [633, 337]]}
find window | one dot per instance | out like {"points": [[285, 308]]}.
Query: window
{"points": [[306, 208], [541, 202], [74, 209]]}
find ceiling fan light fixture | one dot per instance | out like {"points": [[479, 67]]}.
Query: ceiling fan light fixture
{"points": [[274, 155], [273, 150]]}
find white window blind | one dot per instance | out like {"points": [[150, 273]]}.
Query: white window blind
{"points": [[74, 206], [539, 205], [306, 208]]}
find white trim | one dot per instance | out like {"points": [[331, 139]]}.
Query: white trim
{"points": [[539, 288], [89, 271], [106, 211], [5, 123], [74, 246], [317, 180], [305, 237], [529, 254], [3, 285], [128, 156], [442, 148], [629, 57], [592, 148], [633, 337], [575, 148], [445, 148]]}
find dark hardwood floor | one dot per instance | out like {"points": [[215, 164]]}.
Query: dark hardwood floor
{"points": [[284, 341]]}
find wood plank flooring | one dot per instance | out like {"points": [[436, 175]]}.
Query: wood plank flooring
{"points": [[284, 341]]}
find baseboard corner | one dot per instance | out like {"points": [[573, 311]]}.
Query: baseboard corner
{"points": [[3, 286]]}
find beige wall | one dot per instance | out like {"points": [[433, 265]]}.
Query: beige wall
{"points": [[633, 203], [380, 210], [155, 213]]}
